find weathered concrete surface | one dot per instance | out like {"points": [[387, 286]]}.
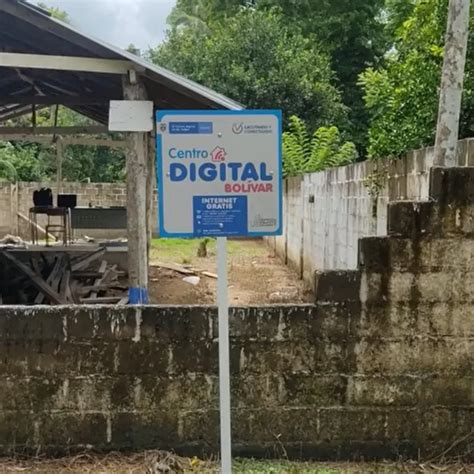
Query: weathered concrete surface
{"points": [[326, 382], [409, 314], [326, 213], [381, 366]]}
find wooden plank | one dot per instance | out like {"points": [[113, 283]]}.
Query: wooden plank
{"points": [[59, 166], [52, 279], [85, 290], [65, 63], [85, 141], [95, 142], [64, 286], [60, 99], [209, 274], [37, 281], [93, 274], [85, 262], [98, 281], [102, 300], [175, 267], [27, 219], [86, 130], [123, 301]]}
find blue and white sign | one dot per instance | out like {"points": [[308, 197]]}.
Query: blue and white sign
{"points": [[219, 173]]}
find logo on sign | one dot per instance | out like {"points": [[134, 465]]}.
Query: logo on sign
{"points": [[238, 128], [163, 127], [218, 155]]}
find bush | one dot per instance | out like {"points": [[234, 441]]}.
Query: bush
{"points": [[305, 154]]}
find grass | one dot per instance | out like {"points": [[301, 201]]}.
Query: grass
{"points": [[184, 251], [279, 467]]}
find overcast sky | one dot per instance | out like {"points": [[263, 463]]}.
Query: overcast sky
{"points": [[120, 22]]}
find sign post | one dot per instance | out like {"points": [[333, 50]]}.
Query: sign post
{"points": [[220, 175]]}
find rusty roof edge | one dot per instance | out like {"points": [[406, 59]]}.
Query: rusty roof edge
{"points": [[193, 87]]}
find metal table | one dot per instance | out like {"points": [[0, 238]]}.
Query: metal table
{"points": [[63, 227]]}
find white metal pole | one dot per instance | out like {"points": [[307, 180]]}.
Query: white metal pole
{"points": [[224, 359]]}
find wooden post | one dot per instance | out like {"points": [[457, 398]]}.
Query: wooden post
{"points": [[59, 165], [452, 83], [137, 170], [151, 185]]}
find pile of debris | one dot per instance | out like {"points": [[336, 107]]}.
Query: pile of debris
{"points": [[58, 278]]}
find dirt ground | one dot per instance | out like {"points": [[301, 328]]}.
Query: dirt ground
{"points": [[159, 462], [256, 275]]}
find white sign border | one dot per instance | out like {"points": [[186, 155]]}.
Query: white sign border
{"points": [[161, 114]]}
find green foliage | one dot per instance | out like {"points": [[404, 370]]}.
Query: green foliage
{"points": [[350, 32], [56, 12], [193, 16], [34, 162], [305, 154], [22, 162], [402, 96], [255, 59], [131, 48]]}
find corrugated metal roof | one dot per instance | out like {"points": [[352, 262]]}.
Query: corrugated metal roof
{"points": [[25, 28]]}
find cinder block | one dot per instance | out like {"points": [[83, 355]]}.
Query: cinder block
{"points": [[311, 390], [348, 423], [383, 391], [446, 391], [414, 356], [72, 430], [283, 424], [203, 425], [253, 391], [452, 185], [433, 287], [412, 219], [28, 393], [337, 285]]}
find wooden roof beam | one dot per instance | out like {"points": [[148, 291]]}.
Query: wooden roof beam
{"points": [[65, 63], [53, 99], [87, 130]]}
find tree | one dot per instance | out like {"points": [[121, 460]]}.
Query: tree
{"points": [[254, 58], [303, 153], [402, 96], [349, 31], [56, 12], [192, 15], [131, 48]]}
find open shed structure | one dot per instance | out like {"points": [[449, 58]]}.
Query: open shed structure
{"points": [[45, 62]]}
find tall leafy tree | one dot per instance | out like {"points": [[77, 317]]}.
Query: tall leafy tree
{"points": [[255, 59], [350, 31], [402, 96], [56, 12]]}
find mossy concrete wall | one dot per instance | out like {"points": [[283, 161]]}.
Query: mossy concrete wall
{"points": [[382, 365], [324, 382]]}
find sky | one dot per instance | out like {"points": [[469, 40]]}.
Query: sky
{"points": [[120, 22]]}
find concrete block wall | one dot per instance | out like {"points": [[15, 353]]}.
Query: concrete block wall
{"points": [[381, 366], [19, 198], [333, 209], [310, 382]]}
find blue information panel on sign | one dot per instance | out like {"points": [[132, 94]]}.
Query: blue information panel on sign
{"points": [[189, 128], [220, 215]]}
